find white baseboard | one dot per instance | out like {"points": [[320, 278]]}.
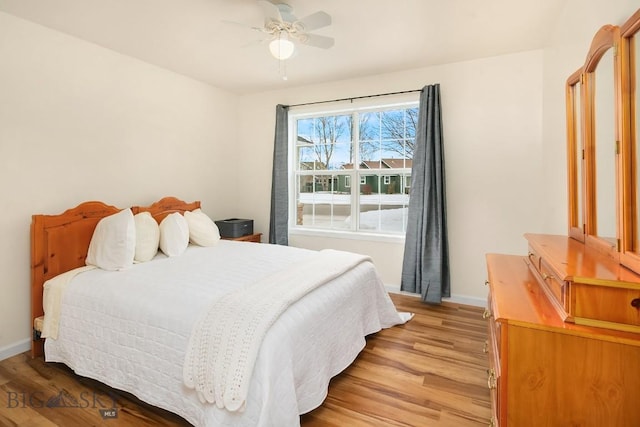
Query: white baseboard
{"points": [[467, 300], [15, 348], [458, 299]]}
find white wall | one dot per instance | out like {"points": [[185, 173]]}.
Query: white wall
{"points": [[79, 122], [492, 119]]}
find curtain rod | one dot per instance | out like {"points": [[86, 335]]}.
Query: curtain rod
{"points": [[355, 97]]}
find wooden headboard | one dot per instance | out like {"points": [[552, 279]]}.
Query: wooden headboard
{"points": [[166, 206], [60, 243]]}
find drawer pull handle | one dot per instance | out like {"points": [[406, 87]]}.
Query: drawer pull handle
{"points": [[486, 283], [486, 314], [546, 276], [491, 381], [635, 302], [485, 347], [492, 423]]}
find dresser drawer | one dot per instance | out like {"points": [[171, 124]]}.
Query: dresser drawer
{"points": [[534, 258], [494, 371], [554, 285], [493, 343], [612, 307]]}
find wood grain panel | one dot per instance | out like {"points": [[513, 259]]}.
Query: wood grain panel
{"points": [[582, 382], [607, 303]]}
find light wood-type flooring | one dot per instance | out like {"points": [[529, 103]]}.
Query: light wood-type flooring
{"points": [[429, 372]]}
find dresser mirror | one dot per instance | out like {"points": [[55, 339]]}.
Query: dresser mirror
{"points": [[593, 134], [630, 67], [575, 155], [603, 118], [604, 137]]}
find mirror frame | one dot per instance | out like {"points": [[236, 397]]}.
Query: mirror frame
{"points": [[575, 139], [630, 253]]}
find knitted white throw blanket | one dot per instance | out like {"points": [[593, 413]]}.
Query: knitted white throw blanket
{"points": [[225, 341]]}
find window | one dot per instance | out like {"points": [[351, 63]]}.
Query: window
{"points": [[372, 145]]}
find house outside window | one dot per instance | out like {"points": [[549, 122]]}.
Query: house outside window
{"points": [[372, 145]]}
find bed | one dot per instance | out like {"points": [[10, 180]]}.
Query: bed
{"points": [[131, 329]]}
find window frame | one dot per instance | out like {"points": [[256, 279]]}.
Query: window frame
{"points": [[406, 179], [355, 109]]}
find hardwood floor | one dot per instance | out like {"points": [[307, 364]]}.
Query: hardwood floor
{"points": [[429, 372]]}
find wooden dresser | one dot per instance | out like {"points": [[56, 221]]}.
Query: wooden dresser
{"points": [[564, 337], [564, 320]]}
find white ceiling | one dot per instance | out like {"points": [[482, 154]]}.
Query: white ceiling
{"points": [[372, 36]]}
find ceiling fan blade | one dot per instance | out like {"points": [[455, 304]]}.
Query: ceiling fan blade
{"points": [[286, 12], [315, 20], [315, 40], [271, 11]]}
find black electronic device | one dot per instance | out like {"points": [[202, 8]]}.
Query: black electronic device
{"points": [[235, 227]]}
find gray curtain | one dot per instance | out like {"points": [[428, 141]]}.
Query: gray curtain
{"points": [[425, 268], [279, 223]]}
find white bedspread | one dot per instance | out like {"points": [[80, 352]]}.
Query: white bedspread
{"points": [[129, 329], [52, 300], [224, 343]]}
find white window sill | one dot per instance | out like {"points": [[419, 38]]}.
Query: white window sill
{"points": [[336, 234]]}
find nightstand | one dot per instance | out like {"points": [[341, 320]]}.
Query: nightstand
{"points": [[248, 238]]}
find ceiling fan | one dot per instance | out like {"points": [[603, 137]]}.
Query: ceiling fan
{"points": [[284, 28]]}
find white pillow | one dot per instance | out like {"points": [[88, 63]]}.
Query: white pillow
{"points": [[202, 230], [113, 243], [174, 234], [147, 237]]}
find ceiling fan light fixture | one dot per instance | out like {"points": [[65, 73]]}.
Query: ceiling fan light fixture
{"points": [[281, 47]]}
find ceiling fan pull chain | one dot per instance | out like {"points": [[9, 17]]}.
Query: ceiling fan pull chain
{"points": [[283, 69]]}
